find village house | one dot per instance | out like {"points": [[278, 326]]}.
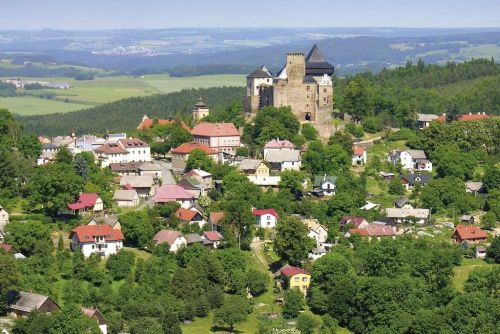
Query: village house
{"points": [[215, 219], [125, 168], [424, 120], [467, 219], [126, 198], [192, 239], [474, 187], [288, 277], [359, 156], [174, 239], [4, 217], [193, 184], [254, 167], [180, 154], [190, 216], [21, 303], [87, 202], [206, 177], [399, 216], [111, 221], [467, 117], [278, 145], [347, 222], [324, 185], [221, 137], [403, 203], [373, 231], [469, 233], [11, 250], [48, 155], [102, 240], [480, 252], [144, 185], [282, 160], [123, 150], [317, 253], [386, 175], [68, 141], [317, 231], [149, 168], [173, 193], [412, 160], [266, 218], [147, 123], [95, 314], [212, 239], [88, 143], [411, 180], [265, 181]]}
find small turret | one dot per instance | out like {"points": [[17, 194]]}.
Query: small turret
{"points": [[200, 110]]}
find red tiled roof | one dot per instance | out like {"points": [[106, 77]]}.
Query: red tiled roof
{"points": [[128, 187], [374, 230], [216, 217], [87, 233], [187, 148], [171, 193], [261, 212], [147, 122], [212, 235], [167, 236], [85, 201], [472, 117], [111, 148], [132, 143], [215, 130], [292, 271], [276, 143], [7, 248], [185, 214], [358, 150], [353, 220], [469, 232]]}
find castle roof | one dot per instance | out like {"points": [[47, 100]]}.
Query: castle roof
{"points": [[261, 72], [316, 63], [200, 103]]}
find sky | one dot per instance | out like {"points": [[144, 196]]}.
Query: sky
{"points": [[146, 14]]}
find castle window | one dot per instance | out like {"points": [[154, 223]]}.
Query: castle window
{"points": [[324, 98], [324, 90], [308, 87]]}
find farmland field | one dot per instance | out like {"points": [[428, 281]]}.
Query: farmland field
{"points": [[89, 93]]}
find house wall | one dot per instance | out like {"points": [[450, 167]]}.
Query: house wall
{"points": [[300, 281], [4, 217], [178, 244], [139, 154], [328, 188], [107, 248], [262, 170], [266, 221], [290, 165], [107, 159], [134, 202], [99, 205]]}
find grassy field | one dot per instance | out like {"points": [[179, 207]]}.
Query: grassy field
{"points": [[88, 93], [462, 271]]}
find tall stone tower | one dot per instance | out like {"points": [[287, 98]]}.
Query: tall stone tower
{"points": [[256, 82], [200, 110], [295, 68]]}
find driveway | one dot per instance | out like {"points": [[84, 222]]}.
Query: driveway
{"points": [[166, 172]]}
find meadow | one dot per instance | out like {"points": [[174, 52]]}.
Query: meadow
{"points": [[89, 93]]}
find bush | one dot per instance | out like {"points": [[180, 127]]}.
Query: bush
{"points": [[309, 132], [294, 302], [373, 124], [403, 134], [355, 130]]}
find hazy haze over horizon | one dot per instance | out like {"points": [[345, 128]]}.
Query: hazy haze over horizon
{"points": [[152, 14]]}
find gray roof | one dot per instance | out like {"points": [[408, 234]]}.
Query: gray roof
{"points": [[320, 179], [125, 195], [316, 63], [319, 250], [401, 202], [414, 178], [417, 154], [249, 164], [136, 181], [474, 186], [26, 301], [282, 156], [193, 238], [405, 213], [148, 166], [426, 117], [261, 72]]}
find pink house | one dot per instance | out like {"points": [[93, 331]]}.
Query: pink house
{"points": [[174, 193], [87, 202]]}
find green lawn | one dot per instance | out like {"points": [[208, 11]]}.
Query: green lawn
{"points": [[88, 93], [462, 271]]}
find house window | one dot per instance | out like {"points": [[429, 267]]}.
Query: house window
{"points": [[304, 279], [93, 246], [297, 279]]}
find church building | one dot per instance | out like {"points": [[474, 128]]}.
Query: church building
{"points": [[304, 84]]}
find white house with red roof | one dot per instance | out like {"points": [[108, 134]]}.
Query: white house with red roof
{"points": [[266, 218], [174, 193], [353, 222], [212, 239], [190, 216], [180, 154], [278, 145], [87, 202], [222, 137], [359, 156], [374, 231], [95, 314], [174, 239], [122, 151], [102, 240]]}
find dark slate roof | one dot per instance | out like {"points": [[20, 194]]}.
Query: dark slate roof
{"points": [[316, 63], [260, 73], [413, 178], [200, 103], [401, 202]]}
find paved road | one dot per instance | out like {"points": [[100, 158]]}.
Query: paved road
{"points": [[166, 172]]}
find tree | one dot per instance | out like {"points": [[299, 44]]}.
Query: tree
{"points": [[493, 252], [70, 320], [356, 99], [53, 187], [257, 281], [307, 323], [81, 166], [489, 221], [198, 159], [64, 156], [309, 132], [396, 187], [293, 303], [9, 277], [25, 236], [234, 310], [121, 264], [292, 244], [491, 179], [291, 183], [485, 280], [137, 228], [450, 161]]}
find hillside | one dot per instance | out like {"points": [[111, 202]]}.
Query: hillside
{"points": [[127, 113]]}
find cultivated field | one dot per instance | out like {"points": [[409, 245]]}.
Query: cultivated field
{"points": [[89, 93]]}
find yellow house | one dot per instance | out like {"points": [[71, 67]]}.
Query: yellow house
{"points": [[254, 167], [293, 277]]}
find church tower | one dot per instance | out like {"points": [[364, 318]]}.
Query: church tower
{"points": [[200, 110]]}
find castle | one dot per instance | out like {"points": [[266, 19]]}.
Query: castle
{"points": [[304, 84]]}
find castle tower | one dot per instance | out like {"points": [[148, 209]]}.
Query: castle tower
{"points": [[295, 68], [256, 80], [200, 110]]}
